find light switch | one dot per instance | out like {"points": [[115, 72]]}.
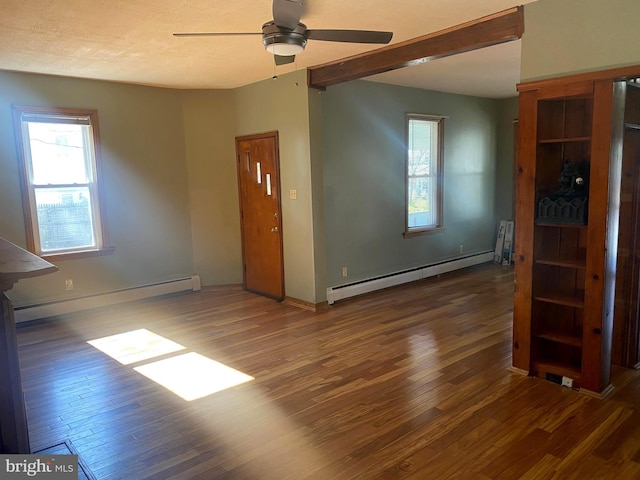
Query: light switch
{"points": [[293, 194]]}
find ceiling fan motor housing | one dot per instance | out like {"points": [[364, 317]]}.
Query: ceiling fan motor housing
{"points": [[283, 41]]}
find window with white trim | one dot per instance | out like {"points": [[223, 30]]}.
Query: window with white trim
{"points": [[425, 134], [58, 150]]}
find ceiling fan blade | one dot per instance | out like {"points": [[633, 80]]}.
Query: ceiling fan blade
{"points": [[350, 36], [287, 13], [213, 34], [283, 60]]}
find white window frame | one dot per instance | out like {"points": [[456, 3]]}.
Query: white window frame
{"points": [[23, 116], [436, 173]]}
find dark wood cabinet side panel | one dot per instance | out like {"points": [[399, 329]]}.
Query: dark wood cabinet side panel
{"points": [[603, 225], [525, 198], [626, 332]]}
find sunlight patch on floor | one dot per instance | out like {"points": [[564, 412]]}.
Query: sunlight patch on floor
{"points": [[192, 376], [189, 375], [135, 346]]}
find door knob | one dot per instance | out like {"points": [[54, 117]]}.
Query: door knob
{"points": [[274, 229]]}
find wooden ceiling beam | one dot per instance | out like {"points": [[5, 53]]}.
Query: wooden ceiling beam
{"points": [[500, 27]]}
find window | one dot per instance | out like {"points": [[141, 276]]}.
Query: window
{"points": [[425, 135], [58, 149]]}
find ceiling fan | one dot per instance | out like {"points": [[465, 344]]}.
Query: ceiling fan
{"points": [[285, 36]]}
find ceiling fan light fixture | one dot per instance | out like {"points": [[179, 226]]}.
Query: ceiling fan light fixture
{"points": [[282, 41], [284, 45]]}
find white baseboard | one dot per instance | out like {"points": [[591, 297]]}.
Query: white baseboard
{"points": [[34, 312], [340, 292]]}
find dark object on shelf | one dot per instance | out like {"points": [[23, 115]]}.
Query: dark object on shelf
{"points": [[562, 210], [573, 179], [569, 204]]}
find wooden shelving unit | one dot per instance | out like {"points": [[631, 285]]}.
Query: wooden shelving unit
{"points": [[563, 303]]}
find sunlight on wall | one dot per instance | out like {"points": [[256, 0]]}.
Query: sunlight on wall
{"points": [[189, 375]]}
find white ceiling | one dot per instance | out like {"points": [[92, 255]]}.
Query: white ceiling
{"points": [[131, 41]]}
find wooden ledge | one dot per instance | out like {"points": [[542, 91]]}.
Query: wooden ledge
{"points": [[17, 263], [587, 78]]}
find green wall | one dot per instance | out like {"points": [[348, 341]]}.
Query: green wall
{"points": [[317, 199], [283, 105], [209, 129], [364, 186], [505, 180], [564, 37], [171, 186], [145, 178]]}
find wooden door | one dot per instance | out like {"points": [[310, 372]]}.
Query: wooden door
{"points": [[260, 218]]}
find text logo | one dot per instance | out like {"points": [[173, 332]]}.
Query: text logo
{"points": [[50, 467]]}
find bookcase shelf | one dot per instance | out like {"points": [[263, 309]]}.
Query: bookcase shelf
{"points": [[565, 140], [561, 338], [562, 262], [542, 367], [574, 302]]}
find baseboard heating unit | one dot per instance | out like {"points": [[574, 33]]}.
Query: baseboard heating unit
{"points": [[341, 292], [34, 312]]}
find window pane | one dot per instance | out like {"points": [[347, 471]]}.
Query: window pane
{"points": [[419, 154], [419, 162], [64, 218], [58, 153], [420, 202]]}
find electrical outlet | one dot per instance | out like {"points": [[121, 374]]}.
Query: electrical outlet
{"points": [[68, 284], [567, 382], [344, 272], [461, 249]]}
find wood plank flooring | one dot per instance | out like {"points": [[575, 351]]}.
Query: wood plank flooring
{"points": [[406, 383]]}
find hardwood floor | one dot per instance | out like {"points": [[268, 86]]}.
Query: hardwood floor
{"points": [[407, 383]]}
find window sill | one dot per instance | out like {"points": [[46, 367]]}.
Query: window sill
{"points": [[80, 254], [426, 231]]}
